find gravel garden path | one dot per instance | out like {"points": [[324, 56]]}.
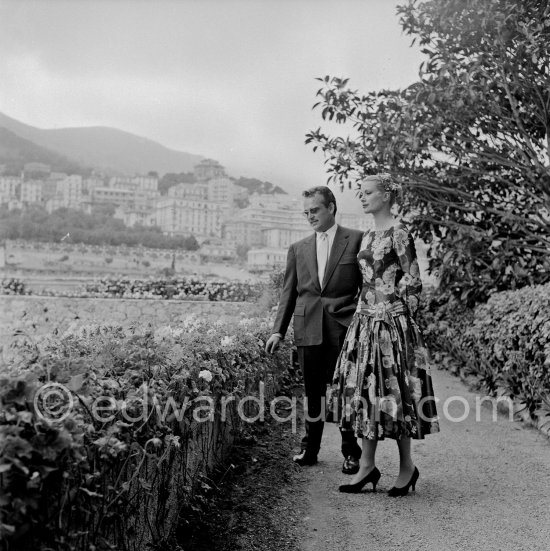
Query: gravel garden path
{"points": [[484, 485]]}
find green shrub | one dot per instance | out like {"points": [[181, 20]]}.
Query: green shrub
{"points": [[504, 344], [122, 481]]}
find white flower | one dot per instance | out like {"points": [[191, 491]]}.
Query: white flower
{"points": [[206, 375], [227, 341], [371, 386], [415, 387], [388, 405], [381, 248], [246, 322], [401, 241], [370, 298], [366, 269], [385, 288]]}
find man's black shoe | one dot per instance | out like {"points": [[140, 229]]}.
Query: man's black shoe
{"points": [[304, 459], [351, 465]]}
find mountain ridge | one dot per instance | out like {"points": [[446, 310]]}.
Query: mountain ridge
{"points": [[105, 148], [16, 151]]}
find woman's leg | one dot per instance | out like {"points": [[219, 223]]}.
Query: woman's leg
{"points": [[367, 460], [406, 465]]}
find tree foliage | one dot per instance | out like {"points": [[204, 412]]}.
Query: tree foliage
{"points": [[99, 228], [469, 141]]}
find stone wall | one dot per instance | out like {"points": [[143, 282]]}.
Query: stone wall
{"points": [[40, 315]]}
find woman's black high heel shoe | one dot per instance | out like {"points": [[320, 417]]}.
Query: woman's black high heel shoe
{"points": [[373, 476], [399, 492]]}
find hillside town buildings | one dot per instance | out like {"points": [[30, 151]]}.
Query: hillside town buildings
{"points": [[221, 215]]}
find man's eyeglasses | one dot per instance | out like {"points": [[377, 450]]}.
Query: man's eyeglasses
{"points": [[314, 210]]}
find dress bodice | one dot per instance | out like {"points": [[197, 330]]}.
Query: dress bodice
{"points": [[389, 268]]}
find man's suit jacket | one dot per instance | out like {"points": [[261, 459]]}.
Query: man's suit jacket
{"points": [[314, 307]]}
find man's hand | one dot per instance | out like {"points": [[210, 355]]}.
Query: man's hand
{"points": [[272, 343]]}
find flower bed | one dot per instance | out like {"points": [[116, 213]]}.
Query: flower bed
{"points": [[182, 288], [123, 437], [504, 345], [13, 286]]}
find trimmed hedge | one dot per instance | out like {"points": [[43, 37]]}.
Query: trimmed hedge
{"points": [[503, 344], [123, 480]]}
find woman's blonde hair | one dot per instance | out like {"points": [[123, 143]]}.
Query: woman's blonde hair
{"points": [[387, 183]]}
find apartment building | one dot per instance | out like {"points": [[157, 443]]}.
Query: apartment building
{"points": [[31, 191], [54, 203], [70, 189], [149, 185], [133, 215], [221, 190], [9, 186], [243, 232], [282, 238], [203, 219], [114, 196], [194, 192]]}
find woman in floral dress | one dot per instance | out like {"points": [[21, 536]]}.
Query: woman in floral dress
{"points": [[382, 383]]}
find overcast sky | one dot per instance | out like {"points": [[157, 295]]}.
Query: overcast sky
{"points": [[227, 79]]}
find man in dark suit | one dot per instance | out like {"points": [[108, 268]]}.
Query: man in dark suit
{"points": [[321, 287]]}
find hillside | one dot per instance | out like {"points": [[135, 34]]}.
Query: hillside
{"points": [[105, 148], [16, 151]]}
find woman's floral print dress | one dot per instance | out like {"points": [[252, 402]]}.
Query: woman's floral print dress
{"points": [[382, 385]]}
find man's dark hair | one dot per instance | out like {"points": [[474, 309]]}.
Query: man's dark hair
{"points": [[325, 192]]}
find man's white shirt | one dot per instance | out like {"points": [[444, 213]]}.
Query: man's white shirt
{"points": [[322, 253]]}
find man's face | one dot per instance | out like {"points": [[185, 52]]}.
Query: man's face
{"points": [[321, 218]]}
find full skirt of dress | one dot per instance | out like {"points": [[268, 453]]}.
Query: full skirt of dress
{"points": [[382, 385]]}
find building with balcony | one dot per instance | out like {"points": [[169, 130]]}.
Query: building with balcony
{"points": [[147, 184], [132, 216], [70, 189], [203, 219], [240, 231], [9, 186], [282, 238], [195, 192], [221, 190], [113, 196], [31, 192]]}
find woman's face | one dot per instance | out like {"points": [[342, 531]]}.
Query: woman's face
{"points": [[372, 197]]}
